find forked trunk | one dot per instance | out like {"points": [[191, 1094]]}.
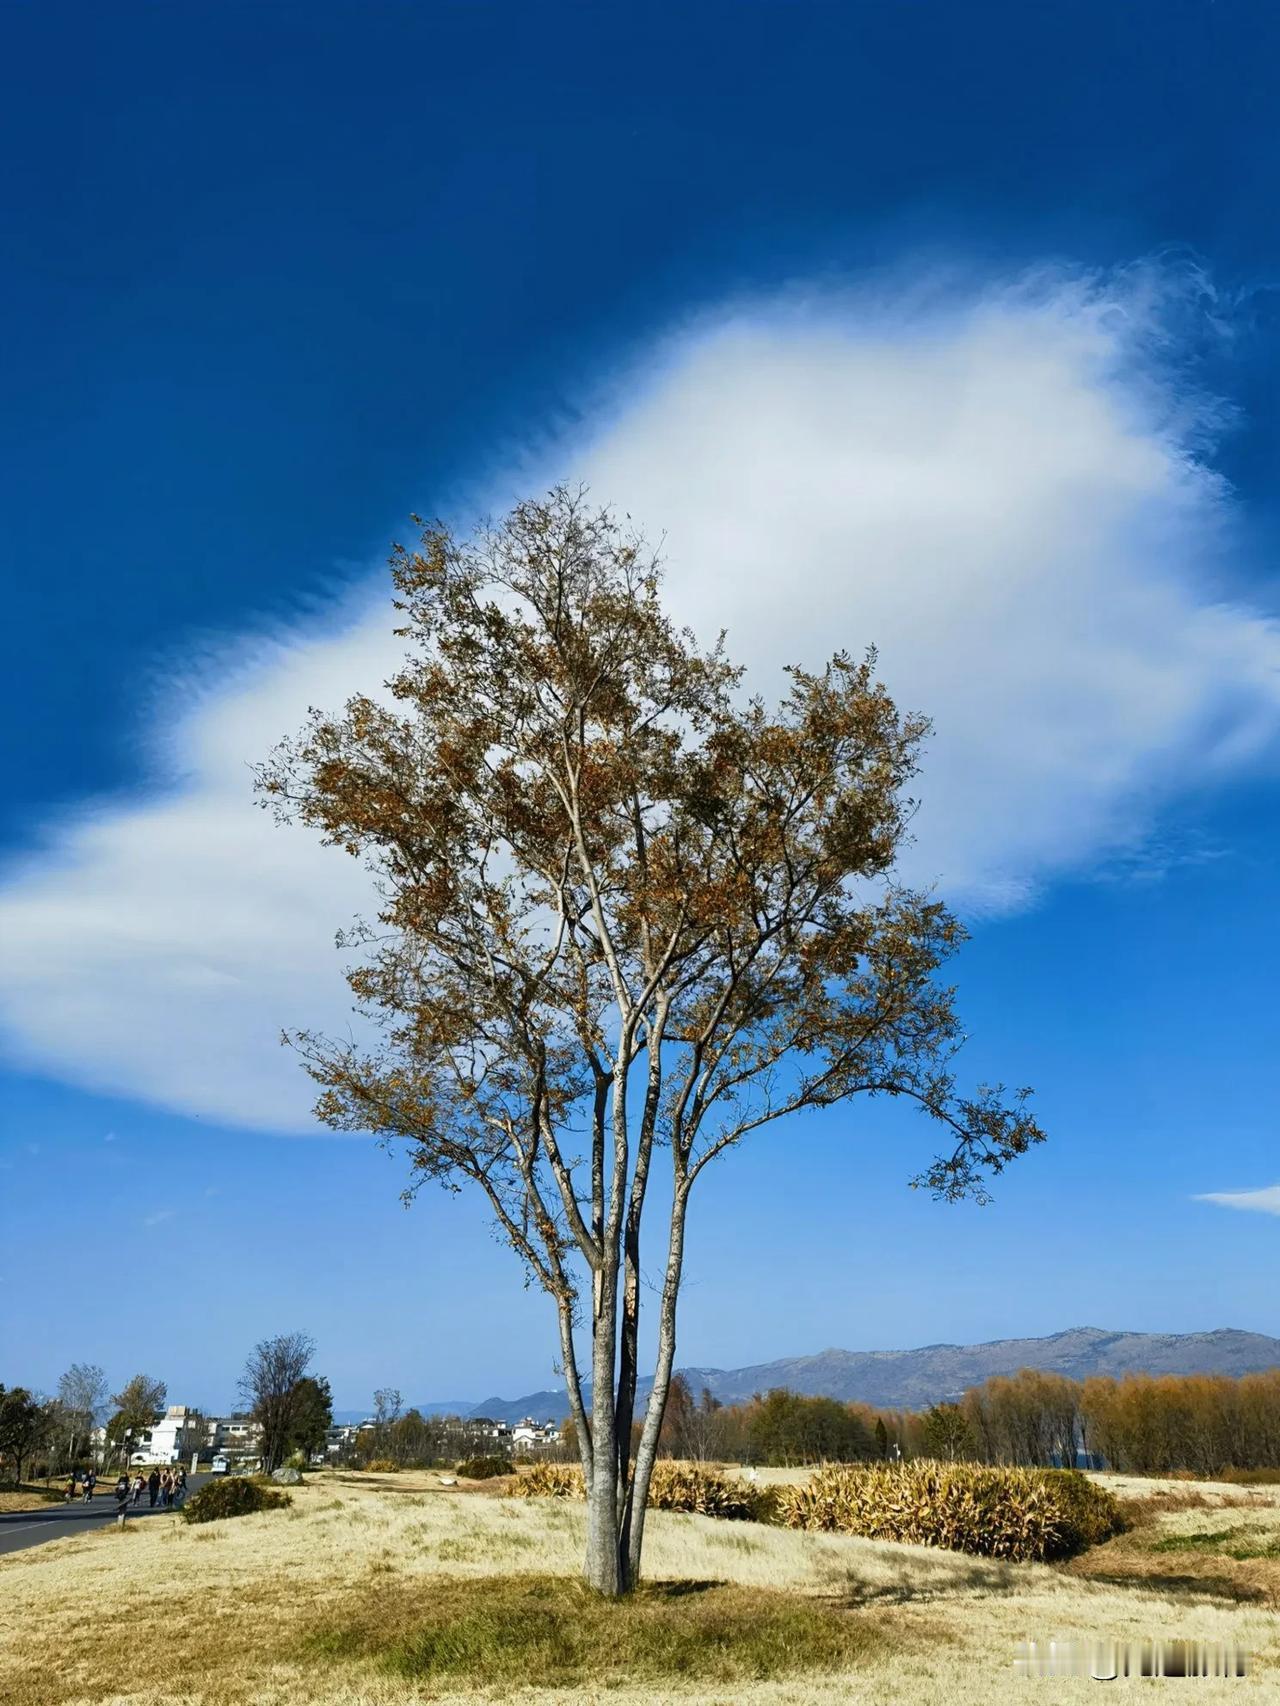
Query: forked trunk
{"points": [[606, 1564]]}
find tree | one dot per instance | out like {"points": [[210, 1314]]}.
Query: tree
{"points": [[269, 1387], [82, 1393], [311, 1415], [138, 1406], [626, 915], [785, 1427], [703, 1433], [882, 1438], [386, 1410], [23, 1426], [947, 1432], [677, 1419]]}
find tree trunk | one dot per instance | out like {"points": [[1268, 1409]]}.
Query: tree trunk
{"points": [[605, 1565], [632, 1537]]}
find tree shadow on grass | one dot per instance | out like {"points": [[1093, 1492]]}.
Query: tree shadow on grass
{"points": [[978, 1577], [1226, 1588]]}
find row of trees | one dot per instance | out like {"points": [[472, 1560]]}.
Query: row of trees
{"points": [[411, 1440], [1143, 1424], [1197, 1422], [779, 1427], [56, 1434], [783, 1427], [51, 1435]]}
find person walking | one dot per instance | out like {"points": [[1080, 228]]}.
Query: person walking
{"points": [[139, 1487], [153, 1486], [179, 1487]]}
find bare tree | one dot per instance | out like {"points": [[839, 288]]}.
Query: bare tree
{"points": [[386, 1413], [269, 1387], [702, 1428], [624, 913], [82, 1393]]}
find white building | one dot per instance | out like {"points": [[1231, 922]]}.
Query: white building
{"points": [[531, 1433], [177, 1436]]}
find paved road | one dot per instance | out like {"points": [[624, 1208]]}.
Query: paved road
{"points": [[55, 1522]]}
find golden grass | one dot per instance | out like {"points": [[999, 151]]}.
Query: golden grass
{"points": [[23, 1500], [546, 1632], [239, 1613]]}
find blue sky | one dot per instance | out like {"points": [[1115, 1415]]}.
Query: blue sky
{"points": [[950, 328]]}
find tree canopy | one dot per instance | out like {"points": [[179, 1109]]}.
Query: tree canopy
{"points": [[626, 911]]}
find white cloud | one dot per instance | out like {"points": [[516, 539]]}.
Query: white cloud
{"points": [[1265, 1201], [159, 1217], [1002, 489]]}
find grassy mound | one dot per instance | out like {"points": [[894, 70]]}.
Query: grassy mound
{"points": [[233, 1496], [1018, 1514], [507, 1632]]}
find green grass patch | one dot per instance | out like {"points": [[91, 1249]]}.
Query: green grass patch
{"points": [[1239, 1543], [541, 1631]]}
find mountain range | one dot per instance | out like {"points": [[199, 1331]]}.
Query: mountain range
{"points": [[912, 1380]]}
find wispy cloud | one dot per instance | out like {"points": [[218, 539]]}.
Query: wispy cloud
{"points": [[1160, 857], [110, 1137], [1004, 488], [1264, 1201], [159, 1217]]}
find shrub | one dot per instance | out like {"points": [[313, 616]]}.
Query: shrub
{"points": [[485, 1468], [233, 1496], [553, 1481], [674, 1487], [381, 1466], [1094, 1512], [1248, 1477], [687, 1487], [1019, 1514]]}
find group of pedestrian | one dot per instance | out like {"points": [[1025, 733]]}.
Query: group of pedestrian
{"points": [[164, 1487], [80, 1486]]}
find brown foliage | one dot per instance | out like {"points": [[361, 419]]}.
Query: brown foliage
{"points": [[616, 897]]}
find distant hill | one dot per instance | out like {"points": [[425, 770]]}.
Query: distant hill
{"points": [[914, 1379], [443, 1407], [542, 1406], [911, 1380]]}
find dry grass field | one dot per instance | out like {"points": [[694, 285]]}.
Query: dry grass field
{"points": [[385, 1590]]}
